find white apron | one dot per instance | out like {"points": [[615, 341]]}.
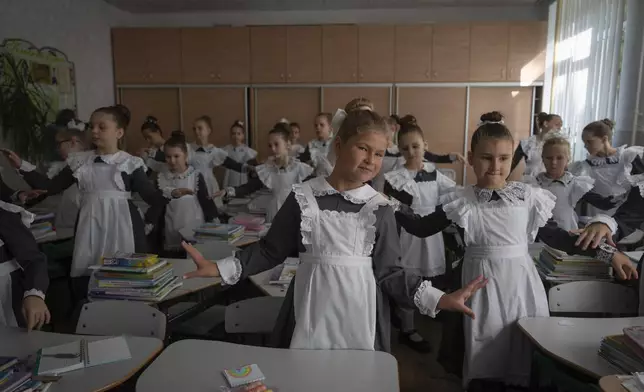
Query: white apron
{"points": [[533, 147], [241, 154], [7, 315], [335, 289], [184, 212], [497, 234], [280, 181], [205, 162], [389, 163], [104, 221]]}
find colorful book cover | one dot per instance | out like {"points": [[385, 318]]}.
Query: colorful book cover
{"points": [[243, 375], [131, 260], [7, 362], [130, 277], [219, 229], [133, 270]]}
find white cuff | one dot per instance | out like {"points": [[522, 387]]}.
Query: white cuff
{"points": [[230, 192], [26, 166], [148, 228], [453, 157], [230, 270], [426, 298], [394, 203], [605, 219], [34, 293]]}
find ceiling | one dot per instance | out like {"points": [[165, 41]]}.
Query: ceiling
{"points": [[162, 6]]}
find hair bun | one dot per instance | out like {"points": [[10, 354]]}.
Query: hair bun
{"points": [[238, 123], [178, 133], [151, 120], [494, 116], [127, 115], [408, 119], [609, 122]]}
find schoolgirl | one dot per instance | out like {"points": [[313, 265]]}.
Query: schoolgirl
{"points": [[345, 234], [530, 148], [153, 155], [318, 148], [296, 147], [108, 221], [239, 152], [279, 173], [499, 220], [189, 204]]}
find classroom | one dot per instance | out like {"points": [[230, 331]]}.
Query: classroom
{"points": [[290, 195]]}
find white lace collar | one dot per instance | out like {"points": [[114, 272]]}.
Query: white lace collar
{"points": [[544, 179], [195, 147], [393, 150], [179, 176], [595, 160], [116, 157], [512, 191], [316, 143], [360, 195]]}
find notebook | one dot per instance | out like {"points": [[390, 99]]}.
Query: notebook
{"points": [[243, 375], [77, 355]]}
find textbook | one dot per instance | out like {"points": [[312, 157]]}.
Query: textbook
{"points": [[136, 270], [131, 260], [244, 375], [133, 278], [52, 361]]}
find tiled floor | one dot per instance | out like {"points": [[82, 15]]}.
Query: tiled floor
{"points": [[422, 372]]}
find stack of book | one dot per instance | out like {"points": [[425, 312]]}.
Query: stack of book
{"points": [[260, 203], [254, 225], [137, 277], [236, 206], [285, 274], [220, 232], [42, 227], [558, 267], [625, 352], [16, 376]]}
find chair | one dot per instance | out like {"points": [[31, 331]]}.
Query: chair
{"points": [[121, 318], [253, 316], [593, 297], [451, 173]]}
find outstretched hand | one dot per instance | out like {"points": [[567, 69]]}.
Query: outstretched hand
{"points": [[205, 268], [455, 301], [459, 157], [623, 267], [13, 158], [593, 234], [31, 194]]}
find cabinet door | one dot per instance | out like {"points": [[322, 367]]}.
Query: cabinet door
{"points": [[375, 54], [128, 48], [451, 53], [163, 53], [223, 105], [515, 103], [340, 54], [232, 49], [299, 104], [527, 51], [444, 134], [488, 52], [162, 103], [413, 53], [268, 54], [198, 56], [304, 54], [337, 97]]}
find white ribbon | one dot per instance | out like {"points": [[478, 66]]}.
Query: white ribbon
{"points": [[80, 126], [490, 122]]}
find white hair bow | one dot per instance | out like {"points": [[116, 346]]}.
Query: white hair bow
{"points": [[490, 122], [283, 120], [336, 123], [73, 124]]}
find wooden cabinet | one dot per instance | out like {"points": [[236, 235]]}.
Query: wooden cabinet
{"points": [[444, 134], [376, 53], [339, 54], [527, 51], [162, 103], [413, 53], [268, 54], [451, 53], [215, 55], [299, 104], [488, 52], [304, 54], [139, 59], [337, 97]]}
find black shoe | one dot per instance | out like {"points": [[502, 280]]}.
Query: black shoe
{"points": [[422, 346]]}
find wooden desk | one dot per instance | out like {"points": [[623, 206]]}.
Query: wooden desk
{"points": [[611, 384], [188, 236], [262, 280], [17, 342], [196, 366], [575, 341]]}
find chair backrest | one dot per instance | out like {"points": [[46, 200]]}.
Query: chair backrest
{"points": [[121, 318], [593, 297], [255, 315], [451, 173]]}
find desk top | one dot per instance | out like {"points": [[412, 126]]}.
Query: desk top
{"points": [[183, 266], [188, 235], [17, 342], [575, 341], [61, 235], [197, 366], [262, 280]]}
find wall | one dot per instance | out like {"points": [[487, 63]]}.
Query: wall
{"points": [[80, 29], [390, 16]]}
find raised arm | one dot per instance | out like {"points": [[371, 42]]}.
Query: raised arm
{"points": [[205, 201], [519, 154], [141, 184], [599, 201], [306, 155], [253, 185], [232, 164], [435, 158], [61, 181], [424, 226]]}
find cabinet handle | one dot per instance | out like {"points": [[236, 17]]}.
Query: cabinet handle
{"points": [[427, 75], [353, 75], [282, 76], [361, 76], [218, 76], [212, 75], [289, 76], [502, 73], [150, 76], [435, 74]]}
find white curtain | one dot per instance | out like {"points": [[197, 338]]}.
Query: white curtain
{"points": [[587, 60]]}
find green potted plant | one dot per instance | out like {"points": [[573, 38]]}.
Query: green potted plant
{"points": [[24, 110]]}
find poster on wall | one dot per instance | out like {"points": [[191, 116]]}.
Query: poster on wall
{"points": [[51, 69]]}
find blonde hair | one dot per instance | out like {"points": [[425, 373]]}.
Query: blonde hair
{"points": [[557, 141], [359, 121]]}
